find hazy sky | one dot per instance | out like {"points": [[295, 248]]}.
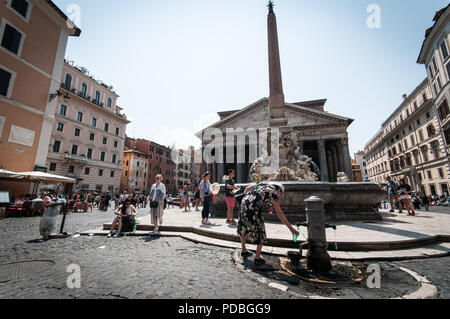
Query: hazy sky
{"points": [[176, 63]]}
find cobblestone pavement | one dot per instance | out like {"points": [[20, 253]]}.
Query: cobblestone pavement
{"points": [[141, 267]]}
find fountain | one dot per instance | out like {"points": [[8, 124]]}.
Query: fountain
{"points": [[318, 266]]}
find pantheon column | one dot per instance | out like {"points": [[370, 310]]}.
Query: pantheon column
{"points": [[346, 158], [335, 162], [323, 161], [330, 166]]}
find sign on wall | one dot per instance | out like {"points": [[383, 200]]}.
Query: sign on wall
{"points": [[22, 136]]}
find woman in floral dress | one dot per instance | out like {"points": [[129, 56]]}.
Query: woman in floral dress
{"points": [[251, 223]]}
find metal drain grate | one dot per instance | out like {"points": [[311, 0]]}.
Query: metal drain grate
{"points": [[23, 269]]}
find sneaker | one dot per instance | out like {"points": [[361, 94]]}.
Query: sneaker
{"points": [[391, 211], [246, 254], [208, 223], [400, 212], [109, 235], [260, 261], [117, 235]]}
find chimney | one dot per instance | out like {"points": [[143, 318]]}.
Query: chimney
{"points": [[405, 97]]}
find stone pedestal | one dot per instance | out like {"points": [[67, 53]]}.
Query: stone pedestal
{"points": [[318, 257]]}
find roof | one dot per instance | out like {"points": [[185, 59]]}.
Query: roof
{"points": [[64, 16], [299, 106], [428, 33]]}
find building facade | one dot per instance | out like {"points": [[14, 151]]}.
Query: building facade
{"points": [[88, 137], [159, 161], [134, 172], [360, 159], [356, 168], [435, 56], [408, 146], [33, 40]]}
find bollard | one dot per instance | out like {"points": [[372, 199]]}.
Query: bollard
{"points": [[318, 257]]}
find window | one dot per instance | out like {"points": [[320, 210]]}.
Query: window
{"points": [[447, 66], [431, 71], [102, 156], [92, 137], [97, 97], [109, 102], [105, 141], [106, 127], [428, 115], [80, 117], [56, 146], [52, 167], [68, 82], [415, 106], [116, 144], [430, 176], [435, 88], [441, 173], [431, 131], [444, 50], [421, 135], [74, 149], [94, 122], [112, 173], [100, 172], [77, 132], [418, 121], [63, 110], [443, 110], [126, 173], [117, 131], [71, 169], [83, 89], [439, 83], [12, 39], [87, 170], [114, 158], [21, 7], [5, 82], [413, 142], [89, 153], [60, 127], [435, 65]]}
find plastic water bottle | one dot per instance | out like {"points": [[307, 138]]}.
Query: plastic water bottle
{"points": [[135, 227], [295, 236]]}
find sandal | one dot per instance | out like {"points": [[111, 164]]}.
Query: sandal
{"points": [[260, 261]]}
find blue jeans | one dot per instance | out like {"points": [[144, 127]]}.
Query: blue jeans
{"points": [[206, 206]]}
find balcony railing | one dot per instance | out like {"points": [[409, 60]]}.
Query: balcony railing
{"points": [[75, 158]]}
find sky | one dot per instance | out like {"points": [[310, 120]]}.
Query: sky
{"points": [[176, 63]]}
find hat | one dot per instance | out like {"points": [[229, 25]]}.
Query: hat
{"points": [[280, 186], [215, 188]]}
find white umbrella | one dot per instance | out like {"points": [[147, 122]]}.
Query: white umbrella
{"points": [[8, 175], [41, 177]]}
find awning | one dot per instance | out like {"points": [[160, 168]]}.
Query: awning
{"points": [[35, 177], [41, 177]]}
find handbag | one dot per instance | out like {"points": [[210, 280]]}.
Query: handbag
{"points": [[154, 204]]}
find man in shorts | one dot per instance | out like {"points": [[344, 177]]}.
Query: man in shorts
{"points": [[392, 194]]}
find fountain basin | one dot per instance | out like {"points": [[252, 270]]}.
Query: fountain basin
{"points": [[343, 201]]}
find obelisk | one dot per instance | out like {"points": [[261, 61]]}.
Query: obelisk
{"points": [[276, 99]]}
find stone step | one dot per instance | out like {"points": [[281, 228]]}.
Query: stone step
{"points": [[284, 243], [427, 251]]}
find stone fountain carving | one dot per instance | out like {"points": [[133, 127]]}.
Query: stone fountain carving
{"points": [[342, 178], [294, 166]]}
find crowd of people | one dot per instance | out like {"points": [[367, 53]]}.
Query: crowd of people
{"points": [[402, 197]]}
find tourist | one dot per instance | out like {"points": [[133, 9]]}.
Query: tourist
{"points": [[185, 198], [251, 223], [229, 196], [170, 202], [156, 198], [181, 195], [126, 210], [425, 202], [196, 196], [205, 193], [392, 193], [405, 196]]}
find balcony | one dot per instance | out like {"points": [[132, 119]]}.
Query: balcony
{"points": [[75, 158]]}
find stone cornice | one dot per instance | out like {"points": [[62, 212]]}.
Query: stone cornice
{"points": [[315, 113]]}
